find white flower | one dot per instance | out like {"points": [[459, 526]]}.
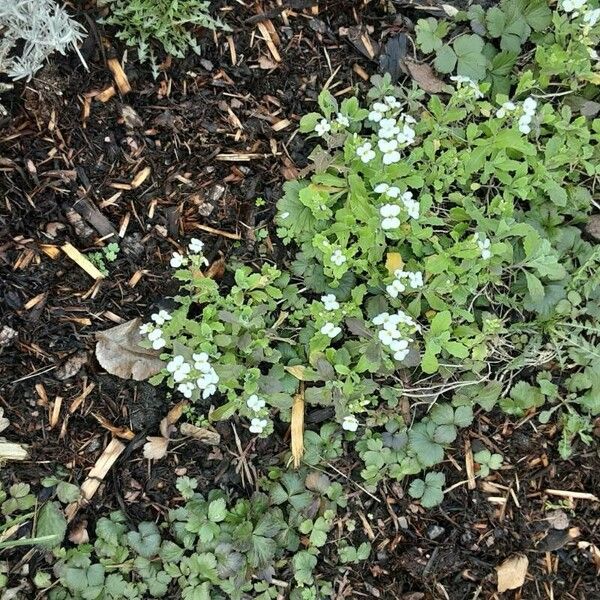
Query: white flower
{"points": [[381, 318], [380, 107], [401, 354], [186, 389], [179, 368], [160, 317], [572, 5], [255, 403], [365, 152], [330, 330], [385, 337], [407, 135], [529, 105], [411, 206], [201, 362], [395, 288], [156, 338], [390, 213], [284, 215], [415, 279], [322, 127], [387, 145], [195, 246], [406, 118], [391, 157], [381, 188], [591, 17], [389, 190], [375, 116], [505, 108], [524, 121], [388, 128], [177, 260], [342, 120], [460, 79], [391, 101], [208, 391], [258, 425], [338, 258], [330, 302], [145, 328], [484, 246], [350, 423]]}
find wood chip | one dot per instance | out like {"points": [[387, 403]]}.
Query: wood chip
{"points": [[297, 428], [12, 451], [107, 94], [121, 432], [120, 78], [577, 495], [96, 476], [140, 177], [49, 250], [81, 261], [264, 30]]}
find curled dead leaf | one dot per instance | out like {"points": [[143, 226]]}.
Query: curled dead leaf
{"points": [[512, 572], [118, 351], [202, 434], [156, 447]]}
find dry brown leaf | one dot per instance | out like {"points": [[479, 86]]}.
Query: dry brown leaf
{"points": [[118, 351], [425, 77], [512, 572], [122, 432], [72, 365], [156, 447], [202, 434], [172, 417], [79, 533]]}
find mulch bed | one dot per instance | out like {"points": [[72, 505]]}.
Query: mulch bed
{"points": [[217, 131]]}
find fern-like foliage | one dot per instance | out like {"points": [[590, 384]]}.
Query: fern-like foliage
{"points": [[31, 30], [143, 24]]}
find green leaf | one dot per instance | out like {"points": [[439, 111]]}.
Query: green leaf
{"points": [[445, 59], [429, 362], [217, 510], [304, 564], [534, 286], [429, 34], [538, 15], [463, 416], [51, 521], [146, 540], [457, 349], [416, 488], [470, 59], [67, 492], [441, 322]]}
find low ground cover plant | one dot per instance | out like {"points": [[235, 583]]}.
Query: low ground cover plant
{"points": [[166, 25]]}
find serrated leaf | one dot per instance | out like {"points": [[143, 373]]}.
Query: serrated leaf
{"points": [[51, 521], [445, 59]]}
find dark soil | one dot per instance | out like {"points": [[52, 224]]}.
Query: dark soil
{"points": [[55, 165]]}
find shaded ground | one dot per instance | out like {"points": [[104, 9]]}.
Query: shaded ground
{"points": [[188, 128]]}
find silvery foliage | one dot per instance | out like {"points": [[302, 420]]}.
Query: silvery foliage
{"points": [[42, 26]]}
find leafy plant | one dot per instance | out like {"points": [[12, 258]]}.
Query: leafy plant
{"points": [[32, 30], [487, 462], [108, 254], [428, 490], [170, 24]]}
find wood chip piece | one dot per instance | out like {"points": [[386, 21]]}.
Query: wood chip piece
{"points": [[81, 261], [96, 476], [120, 78]]}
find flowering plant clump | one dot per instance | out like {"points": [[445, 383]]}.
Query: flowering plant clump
{"points": [[437, 255]]}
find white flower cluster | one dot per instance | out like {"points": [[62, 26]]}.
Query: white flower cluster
{"points": [[153, 331], [390, 212], [394, 132], [350, 423], [322, 127], [414, 280], [484, 245], [395, 332], [256, 404], [201, 376], [467, 83], [573, 6], [591, 17], [330, 302], [529, 106], [195, 247]]}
